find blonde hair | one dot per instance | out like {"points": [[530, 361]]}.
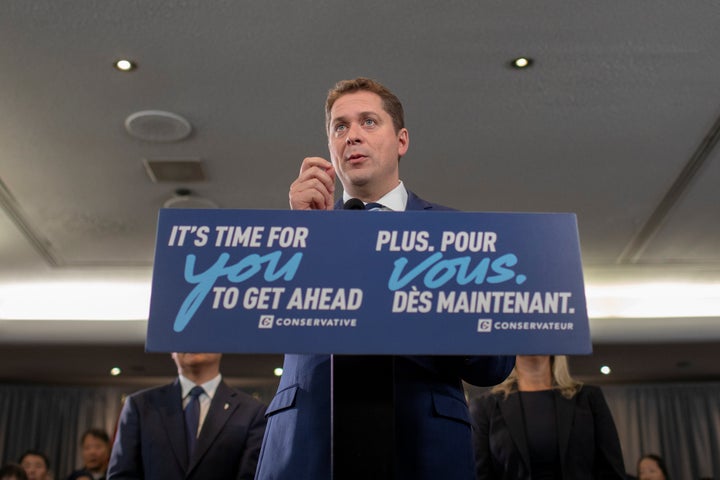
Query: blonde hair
{"points": [[561, 379]]}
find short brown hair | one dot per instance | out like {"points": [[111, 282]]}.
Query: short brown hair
{"points": [[391, 103], [36, 453], [98, 433]]}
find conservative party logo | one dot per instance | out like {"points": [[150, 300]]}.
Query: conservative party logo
{"points": [[484, 325], [266, 321]]}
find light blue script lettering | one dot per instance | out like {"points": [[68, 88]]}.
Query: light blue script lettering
{"points": [[438, 271], [237, 273]]}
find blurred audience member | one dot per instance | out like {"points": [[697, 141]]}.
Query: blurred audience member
{"points": [[652, 467], [12, 471], [35, 464], [95, 445], [542, 424]]}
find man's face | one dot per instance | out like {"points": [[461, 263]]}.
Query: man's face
{"points": [[34, 467], [649, 470], [95, 453], [364, 146], [188, 361]]}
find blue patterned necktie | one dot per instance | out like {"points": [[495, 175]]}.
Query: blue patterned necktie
{"points": [[374, 207], [192, 419]]}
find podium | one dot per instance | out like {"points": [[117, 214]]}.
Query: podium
{"points": [[363, 411], [364, 288], [363, 417]]}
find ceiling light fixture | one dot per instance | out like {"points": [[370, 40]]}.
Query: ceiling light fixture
{"points": [[186, 198], [75, 300], [605, 370], [115, 371], [278, 372], [521, 63], [157, 126], [654, 300], [125, 65]]}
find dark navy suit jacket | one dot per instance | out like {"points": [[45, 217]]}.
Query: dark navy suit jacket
{"points": [[432, 425], [150, 442], [588, 442]]}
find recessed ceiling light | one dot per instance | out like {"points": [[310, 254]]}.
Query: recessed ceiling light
{"points": [[605, 370], [115, 371], [521, 62], [278, 372], [125, 65]]}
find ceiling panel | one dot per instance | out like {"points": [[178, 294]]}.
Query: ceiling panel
{"points": [[691, 231]]}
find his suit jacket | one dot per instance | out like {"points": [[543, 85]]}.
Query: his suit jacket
{"points": [[587, 439], [150, 442], [432, 425]]}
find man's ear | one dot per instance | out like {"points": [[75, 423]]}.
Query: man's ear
{"points": [[403, 142]]}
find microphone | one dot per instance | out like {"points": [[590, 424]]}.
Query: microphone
{"points": [[354, 204]]}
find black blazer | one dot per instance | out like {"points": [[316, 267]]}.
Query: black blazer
{"points": [[588, 441], [150, 442]]}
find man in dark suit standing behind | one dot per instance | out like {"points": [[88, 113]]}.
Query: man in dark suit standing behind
{"points": [[155, 438]]}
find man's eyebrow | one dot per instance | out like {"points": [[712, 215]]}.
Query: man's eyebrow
{"points": [[343, 118], [334, 120]]}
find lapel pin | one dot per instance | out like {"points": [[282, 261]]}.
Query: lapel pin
{"points": [[227, 405]]}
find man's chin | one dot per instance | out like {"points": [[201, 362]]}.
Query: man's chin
{"points": [[359, 179]]}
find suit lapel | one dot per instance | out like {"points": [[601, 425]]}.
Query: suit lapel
{"points": [[173, 420], [513, 415], [416, 203], [224, 403]]}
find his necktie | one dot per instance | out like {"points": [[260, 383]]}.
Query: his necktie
{"points": [[357, 204], [374, 207], [192, 419]]}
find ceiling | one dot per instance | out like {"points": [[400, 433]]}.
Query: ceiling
{"points": [[616, 120]]}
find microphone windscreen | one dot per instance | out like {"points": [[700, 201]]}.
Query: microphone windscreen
{"points": [[354, 204]]}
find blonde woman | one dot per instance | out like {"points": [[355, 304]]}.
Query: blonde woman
{"points": [[540, 424]]}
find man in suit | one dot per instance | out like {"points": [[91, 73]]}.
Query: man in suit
{"points": [[366, 139], [95, 445], [156, 441]]}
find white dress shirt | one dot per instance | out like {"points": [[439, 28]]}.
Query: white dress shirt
{"points": [[395, 199]]}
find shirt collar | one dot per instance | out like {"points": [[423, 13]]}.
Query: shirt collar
{"points": [[210, 386], [395, 199]]}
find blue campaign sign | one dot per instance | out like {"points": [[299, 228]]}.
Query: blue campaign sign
{"points": [[352, 282]]}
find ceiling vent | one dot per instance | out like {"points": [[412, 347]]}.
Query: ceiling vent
{"points": [[157, 126], [170, 170]]}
